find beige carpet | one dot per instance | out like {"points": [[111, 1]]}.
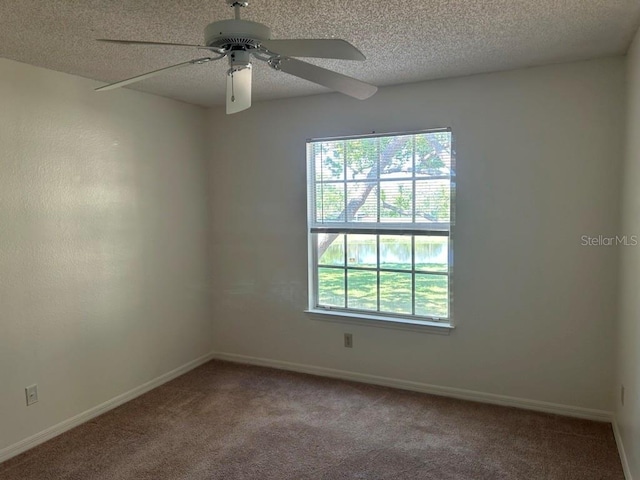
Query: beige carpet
{"points": [[228, 421]]}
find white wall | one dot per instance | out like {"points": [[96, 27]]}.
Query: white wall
{"points": [[628, 348], [539, 154], [104, 238], [104, 230]]}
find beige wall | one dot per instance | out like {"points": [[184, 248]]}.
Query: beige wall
{"points": [[539, 153], [628, 349], [103, 244]]}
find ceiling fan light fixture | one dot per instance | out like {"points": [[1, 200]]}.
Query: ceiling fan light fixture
{"points": [[238, 88]]}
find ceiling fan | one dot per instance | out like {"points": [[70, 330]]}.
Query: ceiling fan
{"points": [[239, 40]]}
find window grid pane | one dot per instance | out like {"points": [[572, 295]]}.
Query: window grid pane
{"points": [[432, 295], [331, 249], [395, 292], [362, 289], [332, 287]]}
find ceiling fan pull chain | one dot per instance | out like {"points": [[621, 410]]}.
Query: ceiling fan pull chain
{"points": [[233, 95]]}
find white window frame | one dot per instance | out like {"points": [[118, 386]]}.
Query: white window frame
{"points": [[385, 319]]}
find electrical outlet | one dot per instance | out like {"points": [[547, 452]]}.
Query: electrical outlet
{"points": [[348, 340], [32, 394], [622, 395]]}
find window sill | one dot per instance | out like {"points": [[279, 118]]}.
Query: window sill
{"points": [[438, 328]]}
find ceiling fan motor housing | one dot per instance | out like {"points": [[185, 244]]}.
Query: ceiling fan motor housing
{"points": [[227, 34]]}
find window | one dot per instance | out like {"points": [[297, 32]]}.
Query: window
{"points": [[380, 216]]}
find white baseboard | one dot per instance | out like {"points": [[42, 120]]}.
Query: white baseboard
{"points": [[621, 451], [49, 433], [590, 414], [567, 410]]}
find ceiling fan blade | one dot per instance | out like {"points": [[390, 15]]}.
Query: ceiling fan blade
{"points": [[333, 80], [318, 48], [137, 78], [138, 42], [238, 90]]}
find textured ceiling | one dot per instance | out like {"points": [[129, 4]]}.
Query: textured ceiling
{"points": [[403, 41]]}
